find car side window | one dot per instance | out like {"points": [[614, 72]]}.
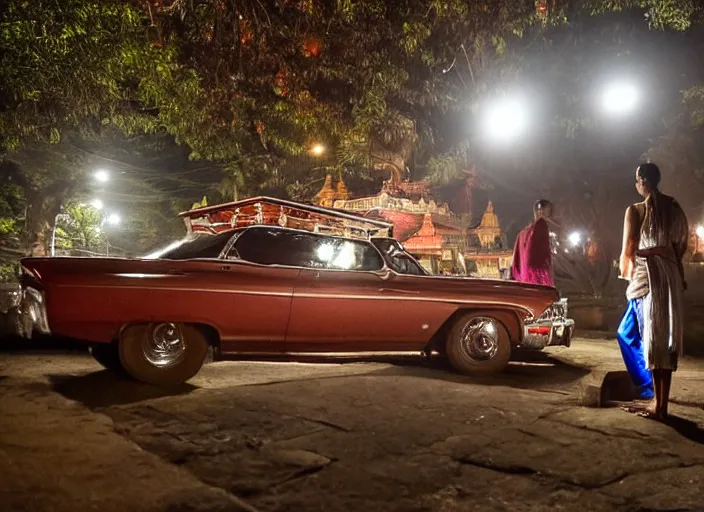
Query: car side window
{"points": [[397, 258], [197, 246], [272, 246], [343, 254]]}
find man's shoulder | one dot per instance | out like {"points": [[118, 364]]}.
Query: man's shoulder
{"points": [[637, 209]]}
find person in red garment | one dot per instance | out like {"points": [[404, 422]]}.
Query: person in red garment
{"points": [[532, 254]]}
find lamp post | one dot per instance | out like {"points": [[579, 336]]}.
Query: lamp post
{"points": [[64, 216], [112, 219]]}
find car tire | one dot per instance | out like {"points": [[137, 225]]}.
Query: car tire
{"points": [[162, 354], [478, 344], [108, 355]]}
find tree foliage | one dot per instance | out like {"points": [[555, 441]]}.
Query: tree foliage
{"points": [[80, 228], [680, 155], [11, 211], [252, 85]]}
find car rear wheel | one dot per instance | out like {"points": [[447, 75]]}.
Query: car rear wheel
{"points": [[478, 344], [108, 355], [162, 354]]}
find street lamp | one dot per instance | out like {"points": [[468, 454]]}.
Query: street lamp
{"points": [[318, 149], [620, 98], [506, 119], [575, 239], [64, 216], [112, 219], [102, 175]]}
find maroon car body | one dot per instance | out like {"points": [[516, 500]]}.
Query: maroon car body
{"points": [[266, 286]]}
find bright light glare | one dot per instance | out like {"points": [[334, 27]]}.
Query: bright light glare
{"points": [[620, 98], [318, 149], [575, 239], [325, 252], [113, 219], [97, 229], [159, 252], [345, 258], [490, 328], [102, 176], [506, 119], [700, 232], [97, 204]]}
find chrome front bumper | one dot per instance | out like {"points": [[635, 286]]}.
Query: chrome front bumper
{"points": [[552, 329]]}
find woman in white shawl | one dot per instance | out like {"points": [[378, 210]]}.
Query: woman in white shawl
{"points": [[655, 241]]}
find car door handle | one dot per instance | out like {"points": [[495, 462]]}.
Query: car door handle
{"points": [[393, 290]]}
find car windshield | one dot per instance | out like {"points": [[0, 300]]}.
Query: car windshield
{"points": [[397, 258], [198, 245]]}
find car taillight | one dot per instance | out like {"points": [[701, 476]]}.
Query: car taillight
{"points": [[539, 330]]}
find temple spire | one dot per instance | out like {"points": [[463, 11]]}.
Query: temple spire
{"points": [[326, 195]]}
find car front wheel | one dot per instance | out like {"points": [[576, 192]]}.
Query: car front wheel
{"points": [[478, 344], [162, 354]]}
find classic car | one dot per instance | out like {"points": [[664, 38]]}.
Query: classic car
{"points": [[272, 276]]}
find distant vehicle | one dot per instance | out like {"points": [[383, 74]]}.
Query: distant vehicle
{"points": [[270, 276]]}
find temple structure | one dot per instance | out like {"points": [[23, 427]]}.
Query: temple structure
{"points": [[442, 242]]}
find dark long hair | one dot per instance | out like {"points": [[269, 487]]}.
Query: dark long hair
{"points": [[658, 210]]}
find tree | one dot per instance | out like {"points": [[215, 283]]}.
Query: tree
{"points": [[72, 65], [81, 229], [66, 69], [46, 175], [249, 84], [679, 153], [11, 211]]}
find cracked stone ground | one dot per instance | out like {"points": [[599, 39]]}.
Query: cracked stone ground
{"points": [[387, 434]]}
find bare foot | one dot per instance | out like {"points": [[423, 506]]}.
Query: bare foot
{"points": [[647, 409], [652, 410]]}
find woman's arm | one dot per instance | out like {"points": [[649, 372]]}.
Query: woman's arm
{"points": [[630, 242]]}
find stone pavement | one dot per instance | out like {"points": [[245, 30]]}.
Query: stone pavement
{"points": [[374, 433]]}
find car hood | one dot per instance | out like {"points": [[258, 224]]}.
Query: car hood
{"points": [[483, 292]]}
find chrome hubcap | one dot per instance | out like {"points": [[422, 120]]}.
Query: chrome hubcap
{"points": [[163, 346], [480, 339]]}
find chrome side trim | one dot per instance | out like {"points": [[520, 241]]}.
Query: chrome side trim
{"points": [[291, 294], [172, 289]]}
